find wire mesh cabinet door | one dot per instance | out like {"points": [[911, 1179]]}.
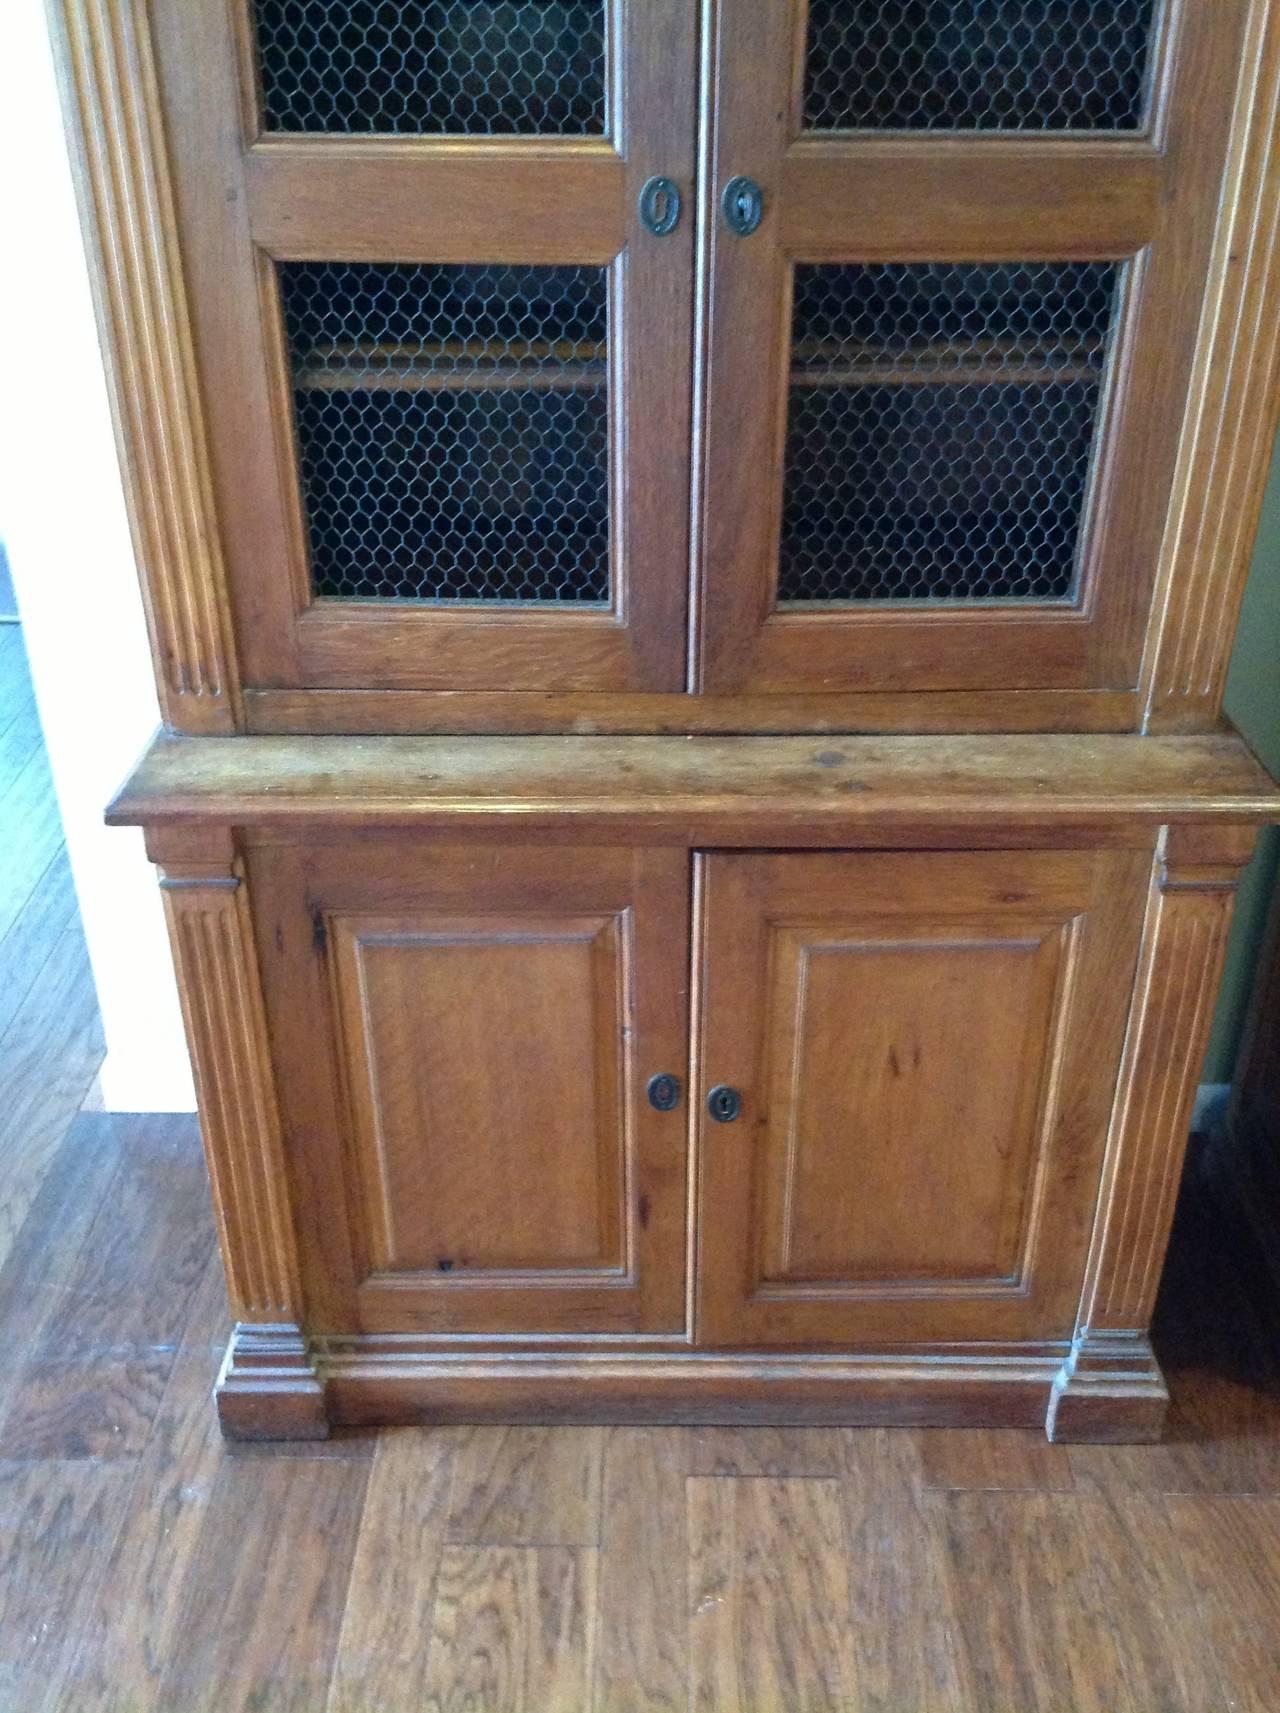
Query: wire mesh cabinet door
{"points": [[957, 252], [439, 258]]}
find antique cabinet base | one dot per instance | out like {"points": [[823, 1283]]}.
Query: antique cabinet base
{"points": [[697, 1080], [282, 1392]]}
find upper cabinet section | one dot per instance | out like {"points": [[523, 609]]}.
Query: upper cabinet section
{"points": [[764, 365]]}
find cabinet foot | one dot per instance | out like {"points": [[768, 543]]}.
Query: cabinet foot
{"points": [[268, 1387], [1110, 1389]]}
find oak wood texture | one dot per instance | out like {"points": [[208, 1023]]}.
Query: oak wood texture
{"points": [[116, 132], [460, 712], [480, 1156], [438, 200], [133, 1623], [57, 1521], [267, 1387], [453, 1020], [50, 1035], [511, 1627], [1149, 202], [374, 1381], [288, 1525], [185, 1574], [94, 1378], [642, 1658], [719, 790], [394, 1574], [1189, 908], [1231, 1549], [1110, 1389], [748, 1539], [925, 1046]]}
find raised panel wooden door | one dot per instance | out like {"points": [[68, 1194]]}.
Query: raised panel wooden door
{"points": [[925, 1048], [445, 362], [946, 370], [464, 1039]]}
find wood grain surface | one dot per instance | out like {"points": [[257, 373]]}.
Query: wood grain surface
{"points": [[742, 789]]}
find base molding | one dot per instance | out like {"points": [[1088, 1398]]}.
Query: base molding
{"points": [[277, 1385], [380, 1380], [268, 1387], [1109, 1390]]}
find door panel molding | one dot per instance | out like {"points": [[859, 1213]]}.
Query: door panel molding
{"points": [[1037, 967]]}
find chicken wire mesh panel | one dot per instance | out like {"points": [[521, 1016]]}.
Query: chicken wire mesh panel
{"points": [[452, 430], [940, 428], [977, 65], [432, 66]]}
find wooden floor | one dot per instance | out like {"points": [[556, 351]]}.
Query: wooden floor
{"points": [[145, 1565]]}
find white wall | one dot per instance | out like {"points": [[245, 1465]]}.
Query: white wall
{"points": [[62, 514]]}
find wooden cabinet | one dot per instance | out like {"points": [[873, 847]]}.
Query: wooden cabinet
{"points": [[478, 1152], [691, 552], [574, 367], [722, 1079], [945, 378]]}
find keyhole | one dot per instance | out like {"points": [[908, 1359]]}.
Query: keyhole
{"points": [[724, 1104], [660, 206], [742, 205]]}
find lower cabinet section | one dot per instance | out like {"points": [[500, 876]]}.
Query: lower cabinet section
{"points": [[888, 1135], [900, 1093], [659, 1112]]}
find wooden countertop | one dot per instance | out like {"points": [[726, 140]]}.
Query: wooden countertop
{"points": [[756, 787]]}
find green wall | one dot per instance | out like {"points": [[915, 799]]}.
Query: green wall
{"points": [[1253, 702]]}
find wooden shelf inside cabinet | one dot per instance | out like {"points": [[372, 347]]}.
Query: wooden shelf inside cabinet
{"points": [[452, 368], [989, 364]]}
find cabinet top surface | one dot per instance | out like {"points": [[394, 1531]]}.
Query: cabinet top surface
{"points": [[839, 783]]}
